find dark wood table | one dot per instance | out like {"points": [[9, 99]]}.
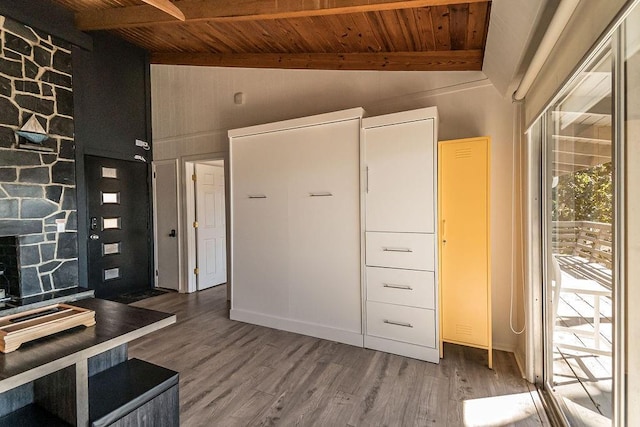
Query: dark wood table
{"points": [[116, 325]]}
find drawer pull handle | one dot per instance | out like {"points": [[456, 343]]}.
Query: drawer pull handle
{"points": [[397, 250], [392, 322], [325, 194], [257, 196], [392, 286]]}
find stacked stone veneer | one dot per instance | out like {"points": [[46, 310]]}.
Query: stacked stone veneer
{"points": [[38, 188]]}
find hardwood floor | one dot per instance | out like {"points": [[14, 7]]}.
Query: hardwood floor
{"points": [[237, 374]]}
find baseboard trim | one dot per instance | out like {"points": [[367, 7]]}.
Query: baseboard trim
{"points": [[504, 347], [521, 364], [299, 327]]}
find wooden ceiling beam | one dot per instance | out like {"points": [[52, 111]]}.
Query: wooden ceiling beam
{"points": [[167, 7], [460, 60], [240, 10]]}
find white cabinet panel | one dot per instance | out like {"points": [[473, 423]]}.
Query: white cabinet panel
{"points": [[400, 323], [400, 177], [258, 167], [404, 287], [324, 218], [296, 231], [401, 250], [259, 219]]}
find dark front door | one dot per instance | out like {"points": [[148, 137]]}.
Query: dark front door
{"points": [[118, 226]]}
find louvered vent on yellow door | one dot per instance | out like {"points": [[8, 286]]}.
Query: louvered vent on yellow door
{"points": [[463, 153]]}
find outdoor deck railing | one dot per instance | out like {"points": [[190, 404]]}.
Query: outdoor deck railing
{"points": [[583, 249], [589, 240]]}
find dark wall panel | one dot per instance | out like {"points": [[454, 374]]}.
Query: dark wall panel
{"points": [[112, 107], [48, 17], [111, 91]]}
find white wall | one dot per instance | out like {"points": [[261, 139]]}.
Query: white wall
{"points": [[192, 109]]}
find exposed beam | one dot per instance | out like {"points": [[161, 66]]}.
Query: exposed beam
{"points": [[167, 7], [240, 10], [458, 60]]}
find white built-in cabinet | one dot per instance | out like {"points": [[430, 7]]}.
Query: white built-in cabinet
{"points": [[400, 274], [295, 194], [333, 229]]}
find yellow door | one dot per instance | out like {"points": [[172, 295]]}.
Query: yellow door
{"points": [[464, 242]]}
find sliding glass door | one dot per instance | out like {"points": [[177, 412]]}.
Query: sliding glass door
{"points": [[589, 136], [579, 245]]}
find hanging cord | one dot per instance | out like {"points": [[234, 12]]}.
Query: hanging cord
{"points": [[516, 150]]}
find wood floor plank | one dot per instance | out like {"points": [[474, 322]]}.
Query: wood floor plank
{"points": [[433, 405], [237, 374]]}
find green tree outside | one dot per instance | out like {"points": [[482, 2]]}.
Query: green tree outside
{"points": [[585, 195]]}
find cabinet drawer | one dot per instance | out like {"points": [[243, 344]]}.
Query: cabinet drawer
{"points": [[401, 250], [404, 287], [400, 323]]}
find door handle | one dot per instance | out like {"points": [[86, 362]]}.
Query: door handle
{"points": [[172, 233], [444, 231], [367, 180], [94, 237]]}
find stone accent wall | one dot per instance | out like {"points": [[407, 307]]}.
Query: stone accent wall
{"points": [[38, 188]]}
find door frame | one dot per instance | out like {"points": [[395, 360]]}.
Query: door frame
{"points": [[155, 221], [186, 216]]}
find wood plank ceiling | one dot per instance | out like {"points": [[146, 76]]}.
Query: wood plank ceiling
{"points": [[418, 35]]}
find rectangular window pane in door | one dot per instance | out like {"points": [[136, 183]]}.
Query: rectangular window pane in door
{"points": [[110, 248], [110, 198], [109, 172], [111, 223], [111, 274], [579, 246]]}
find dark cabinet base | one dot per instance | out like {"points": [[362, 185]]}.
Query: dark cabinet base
{"points": [[134, 393], [159, 412], [31, 416]]}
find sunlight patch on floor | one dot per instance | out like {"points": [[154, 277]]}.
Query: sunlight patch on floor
{"points": [[499, 410]]}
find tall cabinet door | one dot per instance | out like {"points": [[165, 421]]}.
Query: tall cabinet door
{"points": [[400, 177], [259, 214], [324, 224], [464, 246]]}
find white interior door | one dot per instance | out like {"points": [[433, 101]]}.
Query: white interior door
{"points": [[165, 192], [211, 231]]}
